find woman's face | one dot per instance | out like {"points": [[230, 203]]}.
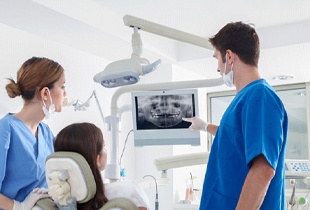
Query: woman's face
{"points": [[58, 93], [102, 159]]}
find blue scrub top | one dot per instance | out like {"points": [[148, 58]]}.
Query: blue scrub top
{"points": [[22, 157], [254, 123]]}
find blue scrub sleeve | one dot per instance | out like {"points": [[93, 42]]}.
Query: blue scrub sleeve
{"points": [[4, 146], [263, 132]]}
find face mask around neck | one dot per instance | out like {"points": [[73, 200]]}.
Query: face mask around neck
{"points": [[228, 78], [51, 110]]}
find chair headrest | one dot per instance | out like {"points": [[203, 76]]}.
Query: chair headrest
{"points": [[71, 171]]}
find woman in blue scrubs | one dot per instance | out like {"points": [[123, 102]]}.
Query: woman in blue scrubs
{"points": [[25, 141], [246, 163]]}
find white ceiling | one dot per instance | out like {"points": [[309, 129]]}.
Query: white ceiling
{"points": [[96, 26]]}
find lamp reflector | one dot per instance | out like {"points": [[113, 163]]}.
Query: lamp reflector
{"points": [[119, 73]]}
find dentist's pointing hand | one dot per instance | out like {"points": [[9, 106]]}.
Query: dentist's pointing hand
{"points": [[197, 124]]}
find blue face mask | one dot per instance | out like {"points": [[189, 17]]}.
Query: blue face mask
{"points": [[228, 78], [51, 110]]}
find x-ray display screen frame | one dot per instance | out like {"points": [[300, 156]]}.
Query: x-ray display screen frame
{"points": [[157, 117]]}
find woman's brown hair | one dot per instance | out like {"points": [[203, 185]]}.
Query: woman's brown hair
{"points": [[87, 140], [34, 74]]}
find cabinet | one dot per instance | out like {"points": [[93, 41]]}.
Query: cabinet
{"points": [[186, 207], [295, 98]]}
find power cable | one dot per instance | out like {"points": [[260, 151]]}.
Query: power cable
{"points": [[120, 159]]}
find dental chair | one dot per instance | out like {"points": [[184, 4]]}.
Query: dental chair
{"points": [[70, 181]]}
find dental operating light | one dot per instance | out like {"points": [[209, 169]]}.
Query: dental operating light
{"points": [[127, 71]]}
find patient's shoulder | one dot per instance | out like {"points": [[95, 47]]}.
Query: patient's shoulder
{"points": [[117, 187], [127, 189]]}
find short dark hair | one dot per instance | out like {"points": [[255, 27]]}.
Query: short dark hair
{"points": [[240, 38]]}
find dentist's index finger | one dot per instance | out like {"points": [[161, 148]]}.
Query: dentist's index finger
{"points": [[187, 119]]}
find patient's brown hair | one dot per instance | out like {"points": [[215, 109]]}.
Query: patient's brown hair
{"points": [[87, 140]]}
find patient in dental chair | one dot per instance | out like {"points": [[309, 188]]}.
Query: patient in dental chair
{"points": [[87, 140]]}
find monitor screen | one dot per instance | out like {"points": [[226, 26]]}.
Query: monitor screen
{"points": [[157, 117]]}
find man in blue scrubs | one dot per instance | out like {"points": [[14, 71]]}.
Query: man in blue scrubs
{"points": [[246, 163]]}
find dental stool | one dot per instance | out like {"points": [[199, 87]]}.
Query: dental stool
{"points": [[70, 181]]}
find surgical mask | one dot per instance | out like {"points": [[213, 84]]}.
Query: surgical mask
{"points": [[51, 110], [229, 78]]}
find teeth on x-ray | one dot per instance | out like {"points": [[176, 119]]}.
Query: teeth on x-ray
{"points": [[164, 111]]}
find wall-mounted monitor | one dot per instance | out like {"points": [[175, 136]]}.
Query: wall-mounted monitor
{"points": [[157, 117]]}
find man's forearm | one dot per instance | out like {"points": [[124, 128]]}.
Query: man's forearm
{"points": [[212, 129], [256, 184]]}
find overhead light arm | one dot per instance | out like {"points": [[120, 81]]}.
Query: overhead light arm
{"points": [[136, 43], [165, 31], [137, 50]]}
